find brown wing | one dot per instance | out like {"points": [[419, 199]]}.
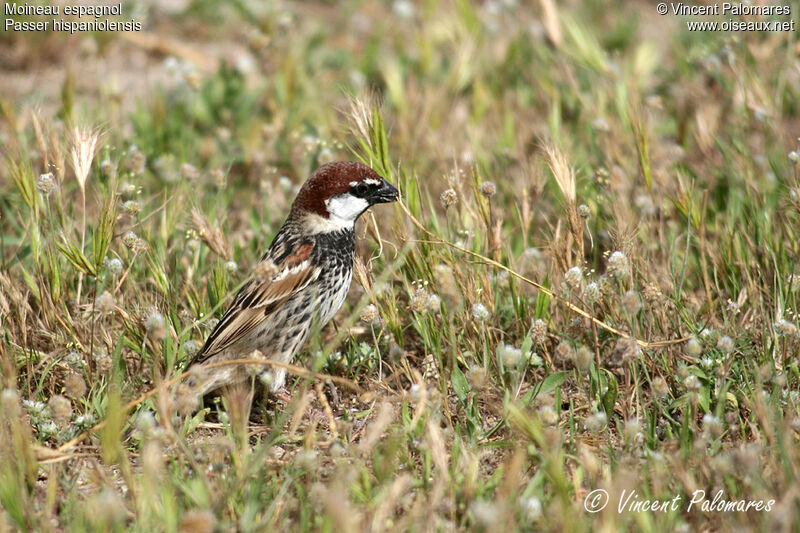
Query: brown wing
{"points": [[258, 300]]}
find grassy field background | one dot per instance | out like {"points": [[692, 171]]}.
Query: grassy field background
{"points": [[592, 283]]}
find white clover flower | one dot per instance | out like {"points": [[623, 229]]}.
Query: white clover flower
{"points": [[692, 383], [785, 328], [131, 207], [46, 183], [531, 508], [596, 422], [618, 265], [48, 429], [35, 408], [631, 302], [448, 198], [591, 293], [725, 344], [231, 266], [479, 312], [694, 347], [574, 277], [509, 355], [488, 189], [114, 266], [191, 347], [539, 331]]}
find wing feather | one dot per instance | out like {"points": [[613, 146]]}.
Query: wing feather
{"points": [[258, 300]]}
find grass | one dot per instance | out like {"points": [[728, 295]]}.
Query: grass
{"points": [[592, 282]]}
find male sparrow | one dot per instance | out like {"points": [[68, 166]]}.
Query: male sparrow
{"points": [[303, 278]]}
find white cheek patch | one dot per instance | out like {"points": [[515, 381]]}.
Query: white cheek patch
{"points": [[345, 208]]}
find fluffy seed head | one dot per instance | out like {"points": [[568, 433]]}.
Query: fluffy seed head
{"points": [[74, 385], [479, 312], [61, 408], [448, 198], [574, 277], [591, 293], [155, 326], [563, 352], [46, 183], [660, 387], [105, 303], [618, 265], [785, 328], [631, 302], [191, 347], [725, 344], [692, 383], [583, 358], [596, 422], [477, 376], [370, 314], [488, 189], [539, 331], [509, 355], [114, 266], [189, 172], [693, 347], [103, 362]]}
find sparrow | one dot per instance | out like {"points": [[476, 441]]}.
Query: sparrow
{"points": [[301, 280]]}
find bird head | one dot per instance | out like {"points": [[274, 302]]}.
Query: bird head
{"points": [[337, 193]]}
